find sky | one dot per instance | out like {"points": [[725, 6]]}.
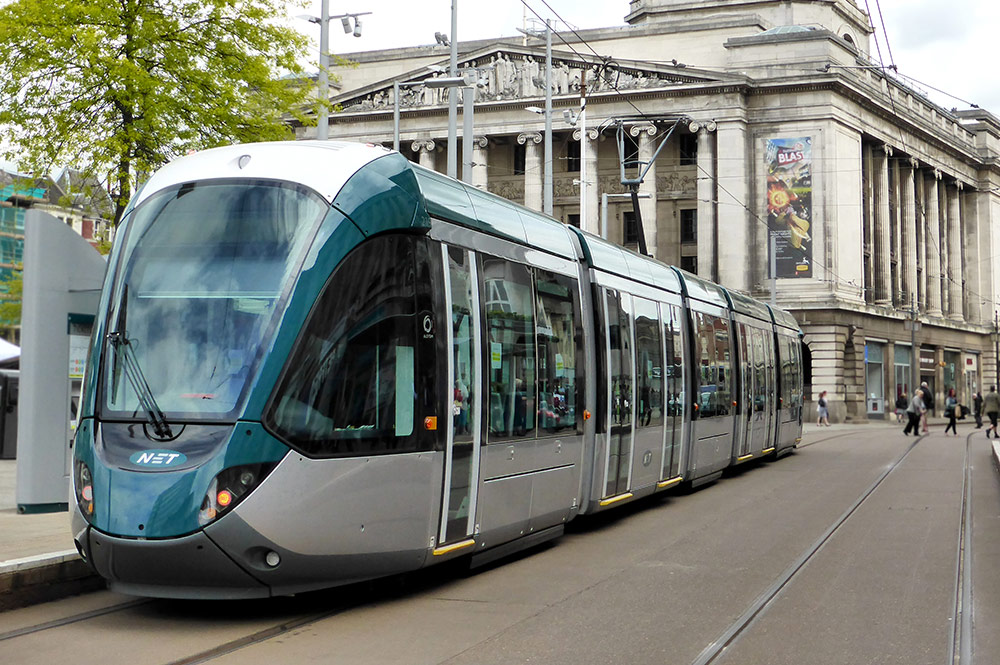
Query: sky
{"points": [[951, 46], [945, 45]]}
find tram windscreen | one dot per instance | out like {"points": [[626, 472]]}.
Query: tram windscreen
{"points": [[201, 281]]}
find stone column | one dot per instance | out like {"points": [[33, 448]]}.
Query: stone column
{"points": [[707, 206], [736, 251], [880, 249], [933, 243], [647, 207], [426, 152], [942, 230], [909, 225], [868, 202], [956, 275], [532, 169], [920, 202], [974, 293], [588, 156], [480, 162]]}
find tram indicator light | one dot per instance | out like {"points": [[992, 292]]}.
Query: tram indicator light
{"points": [[224, 498], [430, 423]]}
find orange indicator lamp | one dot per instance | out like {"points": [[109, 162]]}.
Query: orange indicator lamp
{"points": [[224, 498]]}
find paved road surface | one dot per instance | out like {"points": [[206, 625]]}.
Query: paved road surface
{"points": [[846, 552]]}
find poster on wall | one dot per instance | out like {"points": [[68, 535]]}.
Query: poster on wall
{"points": [[789, 205]]}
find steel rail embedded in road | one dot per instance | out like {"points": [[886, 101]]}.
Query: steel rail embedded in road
{"points": [[73, 618], [961, 637], [739, 627]]}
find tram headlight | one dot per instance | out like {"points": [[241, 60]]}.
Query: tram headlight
{"points": [[83, 484], [228, 488]]}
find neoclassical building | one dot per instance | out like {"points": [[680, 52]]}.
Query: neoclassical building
{"points": [[774, 137]]}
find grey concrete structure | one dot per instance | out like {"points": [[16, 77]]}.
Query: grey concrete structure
{"points": [[62, 280], [879, 199]]}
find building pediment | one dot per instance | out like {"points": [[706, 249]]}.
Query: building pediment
{"points": [[511, 74]]}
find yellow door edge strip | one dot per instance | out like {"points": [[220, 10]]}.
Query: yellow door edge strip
{"points": [[616, 499], [664, 484], [447, 549], [745, 457], [767, 450]]}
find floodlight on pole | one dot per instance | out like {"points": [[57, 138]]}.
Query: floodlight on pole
{"points": [[323, 79]]}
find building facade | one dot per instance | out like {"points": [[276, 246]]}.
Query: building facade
{"points": [[782, 163]]}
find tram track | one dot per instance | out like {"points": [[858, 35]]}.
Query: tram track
{"points": [[961, 636], [71, 619], [760, 605]]}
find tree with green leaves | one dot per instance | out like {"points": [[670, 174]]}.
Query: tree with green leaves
{"points": [[11, 293], [120, 87]]}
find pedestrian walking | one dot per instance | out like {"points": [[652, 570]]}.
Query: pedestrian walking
{"points": [[823, 413], [913, 413], [991, 405], [901, 404], [977, 409], [950, 409], [928, 400]]}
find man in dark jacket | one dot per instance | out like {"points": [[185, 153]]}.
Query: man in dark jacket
{"points": [[991, 404]]}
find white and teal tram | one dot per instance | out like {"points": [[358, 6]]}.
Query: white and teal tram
{"points": [[317, 363]]}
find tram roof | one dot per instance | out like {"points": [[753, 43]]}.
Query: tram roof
{"points": [[617, 260], [744, 304], [784, 319], [463, 204], [324, 166], [702, 289]]}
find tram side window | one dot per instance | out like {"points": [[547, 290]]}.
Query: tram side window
{"points": [[675, 361], [353, 383], [510, 337], [649, 365], [557, 342], [714, 365]]}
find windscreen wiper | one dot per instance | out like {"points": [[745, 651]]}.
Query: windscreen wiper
{"points": [[125, 356]]}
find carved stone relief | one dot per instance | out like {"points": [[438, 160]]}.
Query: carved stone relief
{"points": [[504, 76]]}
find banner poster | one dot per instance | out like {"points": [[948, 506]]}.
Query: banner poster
{"points": [[789, 205]]}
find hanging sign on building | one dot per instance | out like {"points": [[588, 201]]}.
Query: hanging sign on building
{"points": [[789, 204]]}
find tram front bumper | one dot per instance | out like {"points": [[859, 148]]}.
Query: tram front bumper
{"points": [[187, 567]]}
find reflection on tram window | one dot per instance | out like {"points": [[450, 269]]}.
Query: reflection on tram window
{"points": [[556, 334], [353, 383], [206, 268], [510, 348], [649, 365], [462, 350], [714, 364]]}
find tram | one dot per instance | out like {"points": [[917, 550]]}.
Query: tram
{"points": [[316, 363]]}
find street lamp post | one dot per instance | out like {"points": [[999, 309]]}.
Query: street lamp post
{"points": [[323, 79], [547, 177], [453, 96]]}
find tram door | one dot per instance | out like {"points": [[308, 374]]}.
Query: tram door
{"points": [[757, 415], [744, 431], [620, 391], [461, 471], [647, 456], [770, 392]]}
